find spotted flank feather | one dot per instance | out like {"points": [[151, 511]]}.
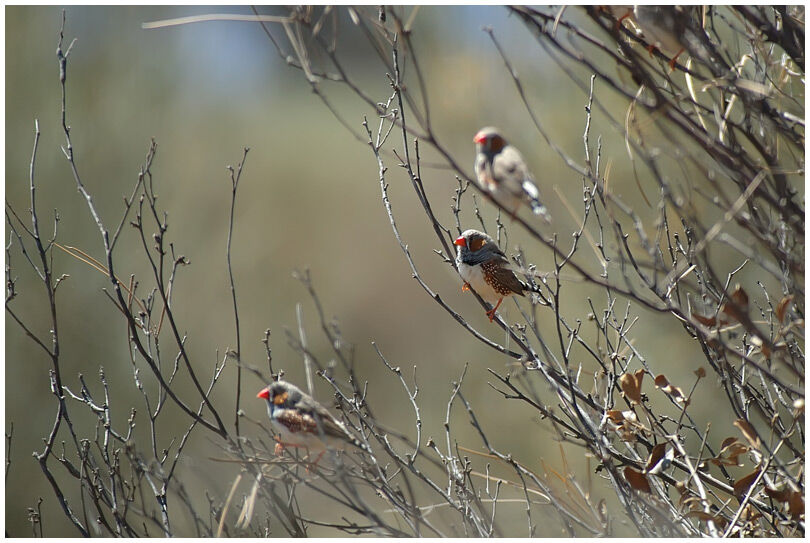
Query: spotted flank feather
{"points": [[501, 279]]}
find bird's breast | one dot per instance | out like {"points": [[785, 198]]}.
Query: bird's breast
{"points": [[474, 275]]}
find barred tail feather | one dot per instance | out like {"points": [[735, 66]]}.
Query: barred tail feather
{"points": [[540, 209], [534, 200]]}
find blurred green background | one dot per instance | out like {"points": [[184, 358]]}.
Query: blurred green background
{"points": [[309, 198]]}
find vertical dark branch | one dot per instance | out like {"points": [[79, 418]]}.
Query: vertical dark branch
{"points": [[234, 185]]}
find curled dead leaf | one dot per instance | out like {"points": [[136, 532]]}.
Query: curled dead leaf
{"points": [[737, 305], [748, 432], [739, 296], [741, 487], [728, 441], [778, 495], [669, 389], [729, 454], [656, 454], [796, 505], [705, 321], [794, 499], [661, 458], [637, 480], [618, 416], [689, 501], [630, 384], [782, 307], [625, 424]]}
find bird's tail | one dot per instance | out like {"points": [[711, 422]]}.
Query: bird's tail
{"points": [[533, 196], [360, 445], [531, 287], [540, 209]]}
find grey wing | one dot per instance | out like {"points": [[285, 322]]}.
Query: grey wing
{"points": [[330, 426], [505, 276], [509, 169]]}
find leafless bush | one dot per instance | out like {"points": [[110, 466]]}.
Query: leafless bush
{"points": [[730, 180]]}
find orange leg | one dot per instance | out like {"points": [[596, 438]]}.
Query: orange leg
{"points": [[650, 49], [313, 466], [280, 446], [491, 312], [674, 60], [622, 18]]}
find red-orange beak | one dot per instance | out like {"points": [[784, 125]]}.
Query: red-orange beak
{"points": [[480, 138], [460, 242], [264, 393]]}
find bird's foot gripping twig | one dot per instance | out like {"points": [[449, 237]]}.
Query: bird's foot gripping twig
{"points": [[312, 467], [280, 446], [674, 60], [491, 312]]}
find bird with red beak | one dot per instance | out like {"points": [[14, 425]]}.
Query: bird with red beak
{"points": [[502, 171], [485, 268]]}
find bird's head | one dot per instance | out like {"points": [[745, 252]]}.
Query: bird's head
{"points": [[279, 395], [474, 244], [488, 140]]}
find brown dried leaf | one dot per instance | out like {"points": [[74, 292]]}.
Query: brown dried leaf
{"points": [[625, 424], [686, 499], [739, 305], [660, 459], [794, 499], [700, 372], [637, 480], [706, 321], [740, 297], [741, 487], [750, 514], [730, 452], [781, 496], [728, 441], [689, 500], [796, 505], [622, 416], [656, 454], [627, 433], [639, 377], [748, 432], [781, 309], [630, 384], [669, 389], [766, 351]]}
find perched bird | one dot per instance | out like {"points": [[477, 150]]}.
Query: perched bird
{"points": [[303, 422], [484, 267], [502, 171]]}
